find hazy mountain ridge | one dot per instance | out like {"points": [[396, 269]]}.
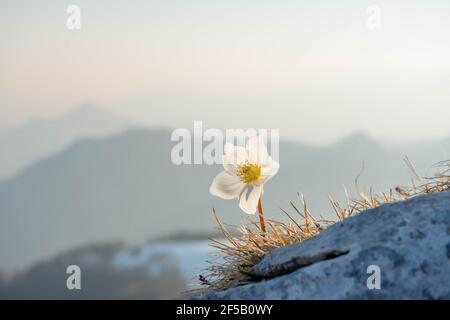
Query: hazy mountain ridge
{"points": [[124, 187], [21, 146], [104, 275]]}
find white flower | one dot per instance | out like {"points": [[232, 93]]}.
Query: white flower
{"points": [[246, 171]]}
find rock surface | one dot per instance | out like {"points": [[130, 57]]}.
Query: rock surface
{"points": [[409, 241]]}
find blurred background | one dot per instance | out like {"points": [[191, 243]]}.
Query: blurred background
{"points": [[86, 117]]}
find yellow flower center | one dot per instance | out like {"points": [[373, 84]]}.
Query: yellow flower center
{"points": [[249, 172]]}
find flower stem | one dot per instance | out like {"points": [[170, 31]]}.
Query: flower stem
{"points": [[261, 217]]}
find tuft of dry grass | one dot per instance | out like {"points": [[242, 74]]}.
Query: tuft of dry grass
{"points": [[241, 252]]}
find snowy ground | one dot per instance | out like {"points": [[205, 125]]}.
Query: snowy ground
{"points": [[189, 256]]}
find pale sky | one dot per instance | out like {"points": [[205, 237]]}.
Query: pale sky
{"points": [[311, 68]]}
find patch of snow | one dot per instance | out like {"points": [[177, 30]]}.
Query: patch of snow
{"points": [[190, 256]]}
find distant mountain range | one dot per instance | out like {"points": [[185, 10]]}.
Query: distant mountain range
{"points": [[108, 271], [21, 146], [124, 187]]}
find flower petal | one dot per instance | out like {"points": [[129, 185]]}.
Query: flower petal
{"points": [[256, 149], [233, 156], [226, 186], [268, 170], [249, 197], [270, 167]]}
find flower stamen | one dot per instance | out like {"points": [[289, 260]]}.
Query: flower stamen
{"points": [[249, 172]]}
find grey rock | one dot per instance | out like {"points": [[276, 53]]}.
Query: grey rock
{"points": [[409, 241]]}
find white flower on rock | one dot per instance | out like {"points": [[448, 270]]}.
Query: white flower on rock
{"points": [[246, 171]]}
